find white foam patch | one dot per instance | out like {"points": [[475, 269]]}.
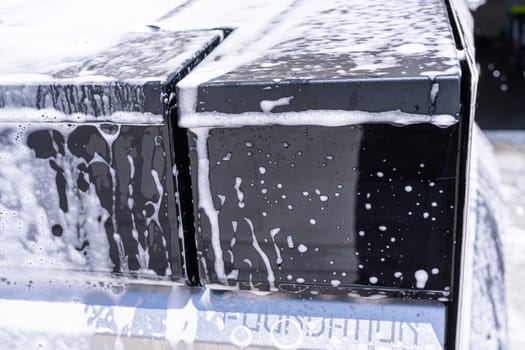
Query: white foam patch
{"points": [[91, 27], [335, 283], [421, 278], [411, 49], [27, 210], [267, 106], [474, 4], [289, 241]]}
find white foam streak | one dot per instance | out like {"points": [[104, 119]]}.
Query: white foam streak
{"points": [[274, 233], [329, 118], [434, 92], [206, 200], [160, 191], [264, 257], [48, 115], [268, 105], [240, 193]]}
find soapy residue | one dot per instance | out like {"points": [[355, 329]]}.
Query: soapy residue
{"points": [[69, 216]]}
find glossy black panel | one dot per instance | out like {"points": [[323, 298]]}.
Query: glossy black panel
{"points": [[372, 94], [367, 205]]}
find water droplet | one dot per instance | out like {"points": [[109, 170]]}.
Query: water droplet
{"points": [[335, 283], [421, 278], [57, 230]]}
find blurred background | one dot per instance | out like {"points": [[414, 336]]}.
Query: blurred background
{"points": [[500, 51], [500, 44]]}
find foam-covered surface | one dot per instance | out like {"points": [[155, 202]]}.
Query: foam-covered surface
{"points": [[317, 53]]}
